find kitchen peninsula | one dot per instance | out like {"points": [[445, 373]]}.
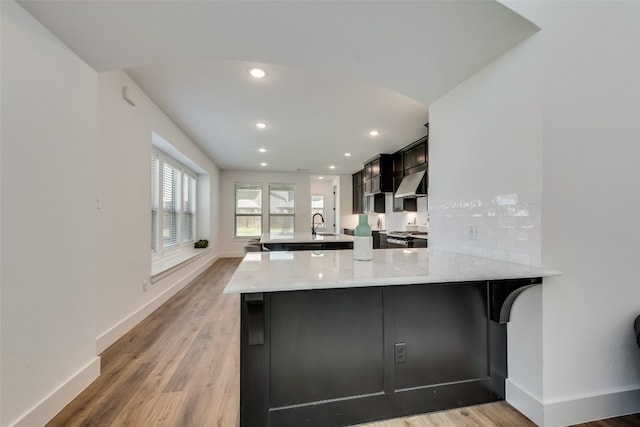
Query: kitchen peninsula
{"points": [[306, 241], [329, 341]]}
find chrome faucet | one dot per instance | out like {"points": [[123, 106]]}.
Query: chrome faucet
{"points": [[313, 222]]}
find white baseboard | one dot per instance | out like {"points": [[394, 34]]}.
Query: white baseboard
{"points": [[49, 407], [591, 408], [524, 402], [574, 411], [114, 333]]}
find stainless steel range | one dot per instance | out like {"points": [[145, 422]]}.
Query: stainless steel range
{"points": [[406, 239]]}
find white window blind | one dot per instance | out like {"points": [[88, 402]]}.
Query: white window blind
{"points": [[155, 198], [282, 208], [248, 210], [170, 177], [173, 205], [189, 205]]}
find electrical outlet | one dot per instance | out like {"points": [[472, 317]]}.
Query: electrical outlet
{"points": [[472, 232], [401, 352], [145, 285]]}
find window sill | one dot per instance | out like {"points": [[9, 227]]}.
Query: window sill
{"points": [[165, 266]]}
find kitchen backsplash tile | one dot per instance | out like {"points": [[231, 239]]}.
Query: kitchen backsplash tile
{"points": [[504, 227]]}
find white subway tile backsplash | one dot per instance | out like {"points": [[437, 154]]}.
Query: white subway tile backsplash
{"points": [[508, 226]]}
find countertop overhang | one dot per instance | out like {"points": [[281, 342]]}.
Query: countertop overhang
{"points": [[301, 237], [306, 270]]}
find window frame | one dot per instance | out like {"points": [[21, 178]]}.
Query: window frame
{"points": [[324, 205], [247, 185], [157, 242], [287, 187]]}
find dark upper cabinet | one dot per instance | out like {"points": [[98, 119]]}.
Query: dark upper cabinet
{"points": [[398, 162], [378, 176], [374, 203], [411, 159], [415, 154], [405, 204], [358, 192]]}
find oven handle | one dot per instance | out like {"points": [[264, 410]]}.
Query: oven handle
{"points": [[398, 241]]}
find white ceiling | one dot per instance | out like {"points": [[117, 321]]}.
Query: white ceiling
{"points": [[336, 69]]}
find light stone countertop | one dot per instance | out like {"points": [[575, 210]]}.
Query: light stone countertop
{"points": [[304, 237], [304, 270]]}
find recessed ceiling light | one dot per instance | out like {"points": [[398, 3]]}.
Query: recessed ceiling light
{"points": [[374, 132], [261, 125], [262, 150], [257, 73], [332, 167], [321, 177], [263, 164], [347, 154]]}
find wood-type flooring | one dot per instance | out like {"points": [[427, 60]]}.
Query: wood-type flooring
{"points": [[180, 368]]}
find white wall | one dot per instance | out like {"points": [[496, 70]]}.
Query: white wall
{"points": [[398, 221], [347, 218], [124, 222], [67, 137], [485, 161], [590, 98], [48, 268], [553, 122]]}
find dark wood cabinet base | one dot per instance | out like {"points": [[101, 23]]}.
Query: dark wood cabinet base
{"points": [[338, 357]]}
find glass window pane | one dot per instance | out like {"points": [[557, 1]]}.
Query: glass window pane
{"points": [[281, 224], [248, 226], [248, 210], [282, 199], [248, 199]]}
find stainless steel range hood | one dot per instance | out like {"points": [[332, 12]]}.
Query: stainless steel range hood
{"points": [[409, 185]]}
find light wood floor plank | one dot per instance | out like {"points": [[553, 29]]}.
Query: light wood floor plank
{"points": [[180, 367]]}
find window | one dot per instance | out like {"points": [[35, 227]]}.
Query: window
{"points": [[248, 210], [317, 204], [282, 207], [173, 204], [189, 207]]}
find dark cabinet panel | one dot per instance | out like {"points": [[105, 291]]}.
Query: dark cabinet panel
{"points": [[398, 163], [416, 155], [314, 356], [379, 174], [358, 192], [405, 204], [443, 342], [383, 241], [374, 203]]}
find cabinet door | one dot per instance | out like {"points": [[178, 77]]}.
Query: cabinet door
{"points": [[357, 200], [368, 189], [398, 163], [375, 167], [375, 184], [383, 241], [421, 153]]}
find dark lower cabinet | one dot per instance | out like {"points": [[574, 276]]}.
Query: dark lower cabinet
{"points": [[308, 246], [374, 233], [339, 357]]}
